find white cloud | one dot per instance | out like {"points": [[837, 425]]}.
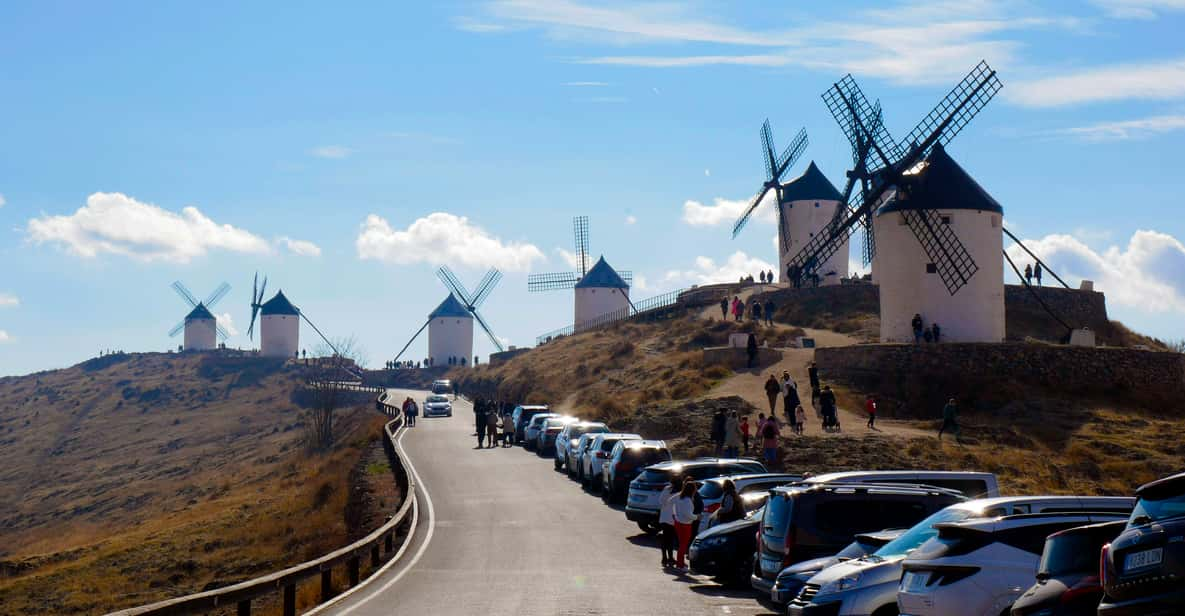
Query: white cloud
{"points": [[571, 259], [301, 248], [630, 219], [227, 322], [727, 211], [707, 172], [1147, 81], [1138, 9], [1148, 274], [9, 301], [1124, 130], [331, 151], [639, 283], [3, 201], [442, 238], [4, 337], [707, 271], [114, 223]]}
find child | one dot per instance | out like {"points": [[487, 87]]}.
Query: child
{"points": [[799, 419]]}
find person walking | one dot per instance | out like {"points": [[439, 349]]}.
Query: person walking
{"points": [[917, 326], [757, 310], [732, 436], [870, 408], [718, 422], [403, 407], [413, 411], [751, 349], [724, 308], [492, 427], [456, 390], [950, 419], [1037, 273], [666, 520], [799, 420], [1028, 274], [812, 375], [745, 433], [479, 420], [772, 389], [830, 412], [789, 396], [738, 309], [684, 516], [769, 439], [507, 428], [769, 310]]}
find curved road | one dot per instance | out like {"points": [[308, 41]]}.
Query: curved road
{"points": [[500, 532]]}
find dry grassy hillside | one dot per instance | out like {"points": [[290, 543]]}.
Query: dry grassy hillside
{"points": [[133, 478]]}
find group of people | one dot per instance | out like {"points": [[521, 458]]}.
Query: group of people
{"points": [[755, 309], [1032, 272], [494, 423], [762, 277], [680, 511], [921, 333], [411, 410]]}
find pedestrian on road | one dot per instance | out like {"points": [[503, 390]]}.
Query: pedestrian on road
{"points": [[724, 309], [404, 407], [479, 420], [507, 428], [732, 436], [456, 390], [769, 439], [717, 433], [668, 541], [799, 420], [745, 432], [684, 515], [950, 419], [789, 396], [812, 375], [731, 508], [772, 389], [413, 411], [769, 310], [492, 426], [1037, 273], [870, 408], [830, 412], [751, 349], [917, 326]]}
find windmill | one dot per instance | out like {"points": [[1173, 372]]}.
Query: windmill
{"points": [[450, 325], [917, 183], [201, 327], [599, 289], [279, 323]]}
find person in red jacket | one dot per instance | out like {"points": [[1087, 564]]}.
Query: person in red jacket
{"points": [[870, 408]]}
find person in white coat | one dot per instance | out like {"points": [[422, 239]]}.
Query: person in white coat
{"points": [[684, 513], [666, 520]]}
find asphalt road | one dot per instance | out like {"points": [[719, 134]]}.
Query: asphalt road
{"points": [[500, 532]]}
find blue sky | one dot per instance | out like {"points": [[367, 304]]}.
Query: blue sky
{"points": [[346, 151]]}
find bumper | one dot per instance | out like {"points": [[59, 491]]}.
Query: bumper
{"points": [[437, 412], [784, 593], [712, 561], [761, 584], [1155, 605], [641, 515], [815, 609]]}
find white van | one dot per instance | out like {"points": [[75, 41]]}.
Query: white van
{"points": [[971, 483]]}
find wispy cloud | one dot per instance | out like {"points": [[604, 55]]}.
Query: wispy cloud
{"points": [[331, 151], [441, 238], [300, 248], [9, 301], [602, 100], [3, 201], [4, 337], [1144, 81], [587, 84], [470, 24], [723, 211], [1125, 130], [630, 219], [1138, 9]]}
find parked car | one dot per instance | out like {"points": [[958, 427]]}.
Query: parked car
{"points": [[534, 425], [711, 491], [1143, 570], [805, 521], [521, 416], [792, 579], [436, 405], [626, 462], [597, 454], [971, 483], [1068, 574], [981, 567], [569, 437], [442, 386], [642, 505], [869, 585], [576, 453], [551, 428]]}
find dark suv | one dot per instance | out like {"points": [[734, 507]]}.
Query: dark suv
{"points": [[627, 461], [522, 416], [807, 521], [1068, 575], [642, 506], [1143, 569]]}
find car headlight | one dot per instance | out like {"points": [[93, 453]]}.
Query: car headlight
{"points": [[844, 583]]}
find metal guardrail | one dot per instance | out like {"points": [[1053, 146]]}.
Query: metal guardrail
{"points": [[639, 309], [378, 544]]}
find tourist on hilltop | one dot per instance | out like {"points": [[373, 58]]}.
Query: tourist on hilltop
{"points": [[799, 420], [683, 512], [829, 409], [789, 396], [717, 431], [745, 432], [917, 326], [1028, 274], [492, 425], [761, 275], [732, 436], [724, 308], [1037, 273], [769, 439], [751, 349], [772, 389], [870, 408], [793, 273], [935, 332], [666, 520], [927, 335], [769, 311], [812, 375], [738, 309], [950, 419]]}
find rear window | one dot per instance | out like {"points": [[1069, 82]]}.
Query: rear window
{"points": [[1154, 510], [1076, 552], [711, 489], [608, 444], [577, 431], [655, 476], [644, 456], [778, 510]]}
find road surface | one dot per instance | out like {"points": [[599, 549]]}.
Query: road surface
{"points": [[500, 532]]}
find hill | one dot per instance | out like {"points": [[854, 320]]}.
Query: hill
{"points": [[133, 478]]}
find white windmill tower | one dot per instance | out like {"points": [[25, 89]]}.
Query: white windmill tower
{"points": [[599, 291], [201, 328], [279, 322], [450, 325]]}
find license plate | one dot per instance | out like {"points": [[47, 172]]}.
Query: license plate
{"points": [[914, 581], [1140, 560], [637, 498]]}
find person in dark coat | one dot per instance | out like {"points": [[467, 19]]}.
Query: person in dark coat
{"points": [[812, 374], [917, 326], [751, 349], [935, 332], [830, 412], [718, 421], [724, 309], [950, 419], [769, 311], [1028, 274], [1037, 273], [757, 311], [479, 420], [772, 389]]}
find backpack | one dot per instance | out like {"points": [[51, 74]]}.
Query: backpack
{"points": [[768, 431]]}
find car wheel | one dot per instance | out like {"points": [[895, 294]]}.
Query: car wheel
{"points": [[605, 496], [887, 610], [556, 464], [650, 528]]}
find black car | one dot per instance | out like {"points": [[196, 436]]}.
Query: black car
{"points": [[725, 551], [1143, 569], [1068, 575]]}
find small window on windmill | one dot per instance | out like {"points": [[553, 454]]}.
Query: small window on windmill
{"points": [[995, 222], [816, 204], [931, 268], [946, 220]]}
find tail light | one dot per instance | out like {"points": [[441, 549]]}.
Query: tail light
{"points": [[601, 455], [788, 557], [1103, 564], [1088, 586], [711, 508]]}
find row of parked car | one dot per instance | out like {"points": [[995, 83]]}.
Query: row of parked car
{"points": [[893, 542]]}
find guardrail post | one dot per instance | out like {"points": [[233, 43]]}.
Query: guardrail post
{"points": [[375, 561], [354, 563], [326, 584], [244, 608], [290, 599]]}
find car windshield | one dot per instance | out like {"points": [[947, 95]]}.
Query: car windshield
{"points": [[1076, 552], [855, 549], [1154, 510], [920, 533], [577, 431], [437, 399]]}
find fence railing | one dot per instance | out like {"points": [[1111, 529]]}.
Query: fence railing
{"points": [[639, 309], [378, 546]]}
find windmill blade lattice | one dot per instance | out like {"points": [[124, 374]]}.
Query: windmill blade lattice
{"points": [[580, 231], [184, 293], [954, 112], [486, 287], [454, 285], [949, 256], [553, 281], [217, 295]]}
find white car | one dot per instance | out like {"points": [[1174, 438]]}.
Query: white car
{"points": [[594, 457], [569, 437], [436, 405], [534, 426], [869, 585], [981, 567]]}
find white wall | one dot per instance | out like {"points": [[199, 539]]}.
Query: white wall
{"points": [[974, 314], [279, 335], [592, 302], [200, 335], [450, 337], [805, 218]]}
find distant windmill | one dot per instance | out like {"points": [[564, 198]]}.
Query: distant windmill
{"points": [[201, 327], [450, 325], [599, 290], [279, 334]]}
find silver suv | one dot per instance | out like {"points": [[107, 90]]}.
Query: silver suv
{"points": [[569, 436]]}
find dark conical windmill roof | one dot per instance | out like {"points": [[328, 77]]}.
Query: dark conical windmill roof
{"points": [[450, 307], [812, 185], [278, 305], [941, 184], [199, 312], [602, 276]]}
